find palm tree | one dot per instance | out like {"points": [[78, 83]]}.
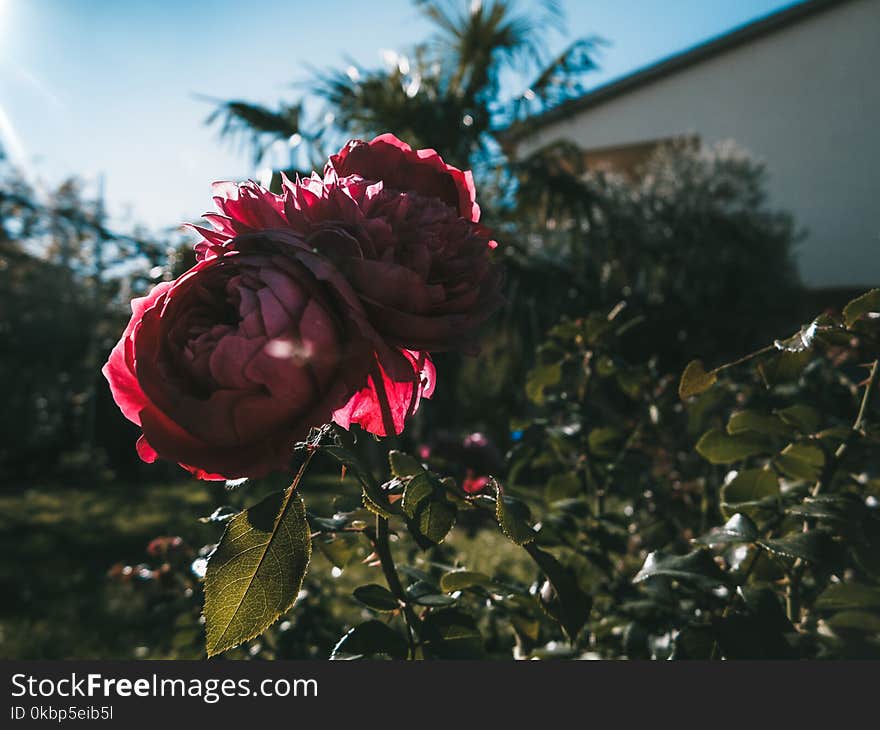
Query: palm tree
{"points": [[444, 93]]}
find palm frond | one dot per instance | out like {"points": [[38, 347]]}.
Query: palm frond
{"points": [[474, 41], [562, 79], [257, 126]]}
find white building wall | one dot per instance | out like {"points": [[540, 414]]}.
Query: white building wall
{"points": [[806, 100]]}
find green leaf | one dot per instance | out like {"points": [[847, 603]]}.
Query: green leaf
{"points": [[376, 597], [785, 366], [404, 465], [804, 418], [562, 486], [813, 546], [750, 491], [418, 489], [846, 508], [425, 593], [835, 433], [697, 567], [436, 518], [801, 461], [738, 529], [719, 447], [848, 596], [701, 409], [540, 378], [860, 306], [750, 485], [376, 506], [459, 580], [341, 549], [512, 516], [855, 621], [744, 421], [257, 570], [369, 639], [374, 499], [452, 634], [695, 380], [567, 604], [602, 440]]}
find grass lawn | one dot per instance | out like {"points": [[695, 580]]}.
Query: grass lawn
{"points": [[58, 544]]}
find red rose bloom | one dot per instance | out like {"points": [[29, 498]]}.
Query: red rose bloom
{"points": [[231, 364], [316, 304], [421, 269]]}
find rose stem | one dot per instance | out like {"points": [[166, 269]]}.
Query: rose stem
{"points": [[383, 550]]}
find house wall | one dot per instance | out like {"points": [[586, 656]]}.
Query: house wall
{"points": [[806, 100]]}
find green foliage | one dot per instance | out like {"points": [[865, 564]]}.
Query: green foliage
{"points": [[644, 238], [459, 580], [257, 570], [631, 486], [376, 597]]}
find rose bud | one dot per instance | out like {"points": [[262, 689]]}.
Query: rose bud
{"points": [[227, 367]]}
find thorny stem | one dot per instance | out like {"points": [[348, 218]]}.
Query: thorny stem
{"points": [[872, 379], [792, 593], [383, 550], [745, 358]]}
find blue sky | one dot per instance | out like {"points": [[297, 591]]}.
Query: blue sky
{"points": [[109, 86]]}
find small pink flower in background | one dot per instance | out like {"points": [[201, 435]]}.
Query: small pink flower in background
{"points": [[161, 546], [476, 441]]}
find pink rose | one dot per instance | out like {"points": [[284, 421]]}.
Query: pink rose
{"points": [[227, 367], [423, 272]]}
